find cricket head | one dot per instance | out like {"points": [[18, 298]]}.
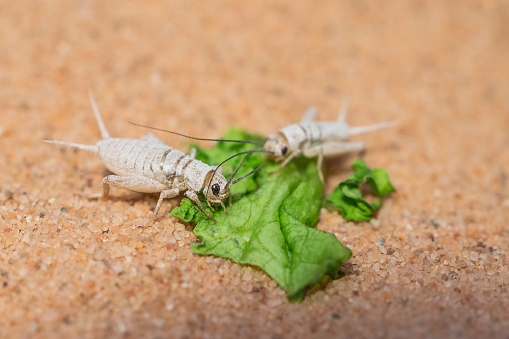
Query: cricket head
{"points": [[277, 143], [216, 187]]}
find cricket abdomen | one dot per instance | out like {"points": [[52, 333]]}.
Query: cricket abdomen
{"points": [[132, 157]]}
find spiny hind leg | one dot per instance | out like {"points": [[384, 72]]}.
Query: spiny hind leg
{"points": [[194, 197], [310, 114], [132, 183], [333, 148]]}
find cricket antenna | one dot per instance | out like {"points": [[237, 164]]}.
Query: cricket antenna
{"points": [[236, 170], [236, 155], [246, 175], [230, 183], [189, 137]]}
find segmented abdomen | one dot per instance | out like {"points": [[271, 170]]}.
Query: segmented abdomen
{"points": [[132, 157], [307, 134]]}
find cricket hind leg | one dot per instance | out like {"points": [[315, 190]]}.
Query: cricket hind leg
{"points": [[332, 148], [137, 184], [310, 114]]}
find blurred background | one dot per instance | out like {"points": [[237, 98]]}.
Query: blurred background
{"points": [[440, 68]]}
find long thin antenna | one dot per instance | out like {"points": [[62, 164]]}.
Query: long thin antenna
{"points": [[189, 137], [233, 156], [237, 169], [245, 175]]}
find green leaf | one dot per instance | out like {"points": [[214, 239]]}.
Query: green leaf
{"points": [[187, 211], [381, 184], [273, 226], [347, 197]]}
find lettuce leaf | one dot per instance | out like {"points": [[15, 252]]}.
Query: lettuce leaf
{"points": [[271, 223]]}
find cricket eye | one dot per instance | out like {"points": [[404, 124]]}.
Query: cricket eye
{"points": [[215, 189], [284, 149]]}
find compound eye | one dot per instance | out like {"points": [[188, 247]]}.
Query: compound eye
{"points": [[215, 189], [284, 149]]}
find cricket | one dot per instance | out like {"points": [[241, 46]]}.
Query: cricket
{"points": [[320, 139], [148, 165], [309, 138]]}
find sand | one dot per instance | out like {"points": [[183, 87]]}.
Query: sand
{"points": [[74, 267]]}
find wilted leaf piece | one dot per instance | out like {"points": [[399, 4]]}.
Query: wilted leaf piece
{"points": [[347, 197]]}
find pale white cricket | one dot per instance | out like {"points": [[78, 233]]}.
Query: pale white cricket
{"points": [[148, 165], [310, 138], [317, 138]]}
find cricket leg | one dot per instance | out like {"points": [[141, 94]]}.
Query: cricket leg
{"points": [[319, 164], [316, 151], [194, 197], [136, 184], [225, 210], [286, 161], [118, 181], [310, 114], [132, 183], [333, 148]]}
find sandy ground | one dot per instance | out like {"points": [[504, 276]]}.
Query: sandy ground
{"points": [[73, 267]]}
